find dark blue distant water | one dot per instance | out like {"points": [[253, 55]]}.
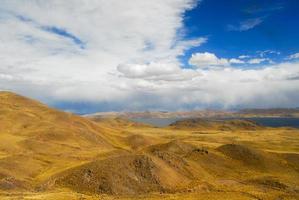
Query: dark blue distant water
{"points": [[265, 121], [276, 122]]}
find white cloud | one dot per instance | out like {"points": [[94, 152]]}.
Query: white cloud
{"points": [[148, 70], [41, 43], [206, 59], [266, 52], [293, 56], [268, 86], [256, 60], [236, 61], [246, 25], [128, 58], [244, 56], [157, 72]]}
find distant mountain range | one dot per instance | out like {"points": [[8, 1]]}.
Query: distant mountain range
{"points": [[272, 112]]}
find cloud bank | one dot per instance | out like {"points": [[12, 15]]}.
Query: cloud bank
{"points": [[124, 55]]}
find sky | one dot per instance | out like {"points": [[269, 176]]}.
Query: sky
{"points": [[88, 56]]}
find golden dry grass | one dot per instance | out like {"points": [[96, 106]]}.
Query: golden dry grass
{"points": [[44, 154]]}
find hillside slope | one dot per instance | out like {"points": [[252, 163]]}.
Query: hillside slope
{"points": [[37, 141], [209, 124]]}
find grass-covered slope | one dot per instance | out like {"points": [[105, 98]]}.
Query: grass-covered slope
{"points": [[209, 124], [37, 141], [49, 154]]}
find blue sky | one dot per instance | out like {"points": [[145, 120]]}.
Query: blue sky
{"points": [[277, 29], [87, 56]]}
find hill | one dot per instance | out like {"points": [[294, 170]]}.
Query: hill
{"points": [[50, 154], [209, 124], [37, 141]]}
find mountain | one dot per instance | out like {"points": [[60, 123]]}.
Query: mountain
{"points": [[243, 113], [164, 114], [271, 112]]}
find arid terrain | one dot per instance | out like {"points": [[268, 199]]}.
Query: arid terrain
{"points": [[49, 154]]}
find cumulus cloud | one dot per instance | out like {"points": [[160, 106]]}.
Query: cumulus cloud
{"points": [[124, 55], [157, 71], [268, 86], [65, 46], [257, 60], [148, 70], [236, 61], [210, 60], [207, 59]]}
